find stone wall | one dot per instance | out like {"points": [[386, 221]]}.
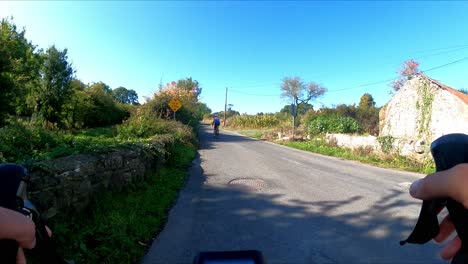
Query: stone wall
{"points": [[449, 115], [353, 142], [417, 149], [70, 183], [422, 111]]}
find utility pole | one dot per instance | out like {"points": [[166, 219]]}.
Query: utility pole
{"points": [[293, 112], [225, 108]]}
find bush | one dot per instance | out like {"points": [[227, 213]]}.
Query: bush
{"points": [[332, 123], [20, 142]]}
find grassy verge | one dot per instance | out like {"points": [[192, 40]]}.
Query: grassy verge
{"points": [[360, 154], [365, 156], [24, 143], [252, 134], [121, 226]]}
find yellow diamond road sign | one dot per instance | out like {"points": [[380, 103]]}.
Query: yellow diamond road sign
{"points": [[175, 104]]}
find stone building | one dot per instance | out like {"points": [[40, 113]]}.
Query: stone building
{"points": [[421, 111]]}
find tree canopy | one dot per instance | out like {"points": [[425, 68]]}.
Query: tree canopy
{"points": [[297, 91], [124, 96], [366, 101], [55, 88]]}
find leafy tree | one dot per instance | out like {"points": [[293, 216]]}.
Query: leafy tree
{"points": [[367, 101], [186, 91], [79, 106], [104, 110], [132, 97], [203, 110], [124, 96], [19, 70], [465, 91], [101, 86], [188, 84], [55, 88]]}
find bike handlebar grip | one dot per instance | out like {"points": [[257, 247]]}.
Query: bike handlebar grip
{"points": [[10, 176], [449, 151], [45, 248], [8, 251]]}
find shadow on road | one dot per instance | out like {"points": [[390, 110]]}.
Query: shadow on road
{"points": [[212, 215], [298, 231], [289, 230]]}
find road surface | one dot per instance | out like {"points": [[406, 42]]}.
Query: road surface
{"points": [[294, 206]]}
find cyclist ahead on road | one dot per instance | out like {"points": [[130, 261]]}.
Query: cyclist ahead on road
{"points": [[216, 124]]}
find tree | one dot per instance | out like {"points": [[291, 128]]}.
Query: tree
{"points": [[188, 84], [410, 68], [79, 106], [132, 97], [465, 91], [186, 91], [406, 72], [301, 108], [19, 70], [55, 88], [367, 101], [124, 96], [104, 111], [294, 89]]}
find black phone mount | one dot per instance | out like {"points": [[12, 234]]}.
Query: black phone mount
{"points": [[447, 151]]}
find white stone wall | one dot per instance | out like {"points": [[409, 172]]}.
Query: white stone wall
{"points": [[449, 114], [401, 117], [352, 141], [401, 114]]}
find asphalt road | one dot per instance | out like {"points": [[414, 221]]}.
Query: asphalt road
{"points": [[302, 208]]}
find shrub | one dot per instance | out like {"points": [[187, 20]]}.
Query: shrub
{"points": [[148, 126], [19, 141], [332, 123], [386, 143]]}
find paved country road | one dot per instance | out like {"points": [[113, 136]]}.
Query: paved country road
{"points": [[303, 208]]}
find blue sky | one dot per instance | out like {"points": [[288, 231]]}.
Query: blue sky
{"points": [[250, 46]]}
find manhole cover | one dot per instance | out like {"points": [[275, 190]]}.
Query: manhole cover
{"points": [[254, 184]]}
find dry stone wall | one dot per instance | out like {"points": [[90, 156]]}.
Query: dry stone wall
{"points": [[70, 183]]}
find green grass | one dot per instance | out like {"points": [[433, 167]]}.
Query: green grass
{"points": [[25, 144], [365, 156], [102, 132], [252, 134], [121, 226]]}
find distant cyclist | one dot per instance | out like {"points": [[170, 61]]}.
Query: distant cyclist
{"points": [[216, 124]]}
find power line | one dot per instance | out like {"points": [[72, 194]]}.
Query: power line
{"points": [[444, 52], [251, 94], [452, 47], [393, 79], [450, 63], [363, 85]]}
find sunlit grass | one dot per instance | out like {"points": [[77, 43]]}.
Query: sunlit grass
{"points": [[365, 156]]}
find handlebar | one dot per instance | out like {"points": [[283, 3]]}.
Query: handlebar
{"points": [[13, 195], [447, 151]]}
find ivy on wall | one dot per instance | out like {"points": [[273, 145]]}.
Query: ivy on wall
{"points": [[424, 107]]}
